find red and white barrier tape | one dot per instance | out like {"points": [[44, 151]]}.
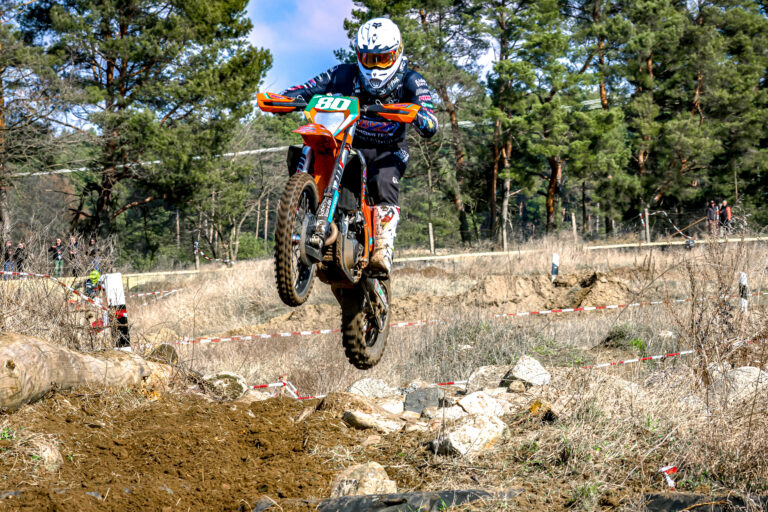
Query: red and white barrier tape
{"points": [[639, 360], [418, 323], [203, 255], [80, 295]]}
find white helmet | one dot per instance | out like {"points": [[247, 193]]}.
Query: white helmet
{"points": [[379, 55]]}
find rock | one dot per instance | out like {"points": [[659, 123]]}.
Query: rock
{"points": [[486, 377], [471, 435], [45, 452], [529, 371], [371, 440], [362, 479], [517, 386], [513, 402], [418, 426], [253, 395], [494, 392], [416, 401], [227, 385], [410, 416], [378, 422], [414, 385], [340, 403], [451, 413], [481, 404], [372, 388], [392, 405], [164, 353], [739, 384]]}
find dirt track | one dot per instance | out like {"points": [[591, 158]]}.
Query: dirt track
{"points": [[131, 452]]}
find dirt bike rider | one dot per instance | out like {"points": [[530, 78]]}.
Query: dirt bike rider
{"points": [[381, 75]]}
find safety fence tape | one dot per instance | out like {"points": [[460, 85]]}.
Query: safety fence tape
{"points": [[290, 334], [95, 302], [204, 256]]}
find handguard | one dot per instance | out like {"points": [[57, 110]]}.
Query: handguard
{"points": [[277, 103], [399, 112]]}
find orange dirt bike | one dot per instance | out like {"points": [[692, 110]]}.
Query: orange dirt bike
{"points": [[325, 224]]}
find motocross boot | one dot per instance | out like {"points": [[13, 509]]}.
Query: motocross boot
{"points": [[385, 217]]}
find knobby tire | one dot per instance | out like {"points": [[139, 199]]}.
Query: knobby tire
{"points": [[354, 329], [298, 185]]}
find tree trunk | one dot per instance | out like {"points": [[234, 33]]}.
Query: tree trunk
{"points": [[34, 367], [266, 222], [5, 212], [601, 70], [494, 178], [556, 170], [505, 213], [584, 220]]}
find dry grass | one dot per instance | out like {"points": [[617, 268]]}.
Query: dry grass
{"points": [[622, 424]]}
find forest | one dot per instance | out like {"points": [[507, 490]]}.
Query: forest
{"points": [[133, 122]]}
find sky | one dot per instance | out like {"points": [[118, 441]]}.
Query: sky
{"points": [[301, 34]]}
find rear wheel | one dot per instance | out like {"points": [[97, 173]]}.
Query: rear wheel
{"points": [[363, 342], [294, 277]]}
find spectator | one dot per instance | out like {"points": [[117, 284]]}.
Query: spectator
{"points": [[57, 255], [93, 253], [712, 218], [20, 257], [8, 258], [725, 217], [72, 253], [91, 284]]}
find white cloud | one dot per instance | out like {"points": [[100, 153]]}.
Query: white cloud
{"points": [[313, 26]]}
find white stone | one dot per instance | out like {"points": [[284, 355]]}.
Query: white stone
{"points": [[378, 422], [740, 384], [486, 377], [372, 388], [449, 413], [392, 405], [530, 371], [227, 385], [480, 403], [253, 395], [471, 435], [494, 392], [362, 479]]}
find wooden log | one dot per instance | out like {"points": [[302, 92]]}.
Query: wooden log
{"points": [[29, 368]]}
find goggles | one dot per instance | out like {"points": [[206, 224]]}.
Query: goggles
{"points": [[379, 60]]}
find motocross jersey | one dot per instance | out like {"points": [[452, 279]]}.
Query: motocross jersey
{"points": [[375, 132]]}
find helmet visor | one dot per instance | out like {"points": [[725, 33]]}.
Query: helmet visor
{"points": [[382, 60]]}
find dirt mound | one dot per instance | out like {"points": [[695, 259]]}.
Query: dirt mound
{"points": [[179, 452], [539, 292], [308, 316], [431, 272]]}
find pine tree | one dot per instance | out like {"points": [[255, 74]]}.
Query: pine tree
{"points": [[160, 81]]}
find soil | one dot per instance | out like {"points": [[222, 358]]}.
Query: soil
{"points": [[496, 293], [139, 451], [173, 452]]}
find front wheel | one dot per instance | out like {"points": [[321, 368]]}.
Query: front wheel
{"points": [[363, 342], [294, 277]]}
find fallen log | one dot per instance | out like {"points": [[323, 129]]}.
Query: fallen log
{"points": [[30, 368]]}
